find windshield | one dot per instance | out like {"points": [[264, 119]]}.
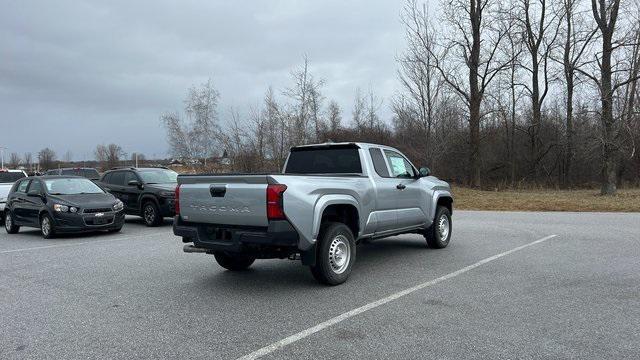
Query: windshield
{"points": [[158, 176], [68, 186], [10, 177]]}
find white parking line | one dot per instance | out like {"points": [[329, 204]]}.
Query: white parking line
{"points": [[372, 305], [80, 243]]}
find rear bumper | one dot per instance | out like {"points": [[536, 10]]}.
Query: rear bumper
{"points": [[278, 237]]}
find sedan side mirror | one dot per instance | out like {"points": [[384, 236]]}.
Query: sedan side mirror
{"points": [[424, 172], [34, 193]]}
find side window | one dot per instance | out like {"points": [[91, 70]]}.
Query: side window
{"points": [[378, 162], [36, 185], [400, 167], [22, 186], [129, 176], [106, 178], [117, 178]]}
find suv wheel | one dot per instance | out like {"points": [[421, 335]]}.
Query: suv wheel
{"points": [[9, 225], [335, 254], [151, 214], [234, 263], [439, 233], [46, 227]]}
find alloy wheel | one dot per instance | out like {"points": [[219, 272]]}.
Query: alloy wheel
{"points": [[149, 214], [8, 222], [46, 226]]}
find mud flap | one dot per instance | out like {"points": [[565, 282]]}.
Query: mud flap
{"points": [[309, 257]]}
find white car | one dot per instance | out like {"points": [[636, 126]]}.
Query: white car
{"points": [[7, 179]]}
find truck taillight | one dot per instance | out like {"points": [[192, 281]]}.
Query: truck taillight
{"points": [[177, 200], [275, 207]]}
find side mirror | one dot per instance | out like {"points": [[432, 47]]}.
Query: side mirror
{"points": [[424, 172], [34, 193], [135, 183]]}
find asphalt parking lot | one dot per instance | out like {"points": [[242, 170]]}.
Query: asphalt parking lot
{"points": [[137, 295]]}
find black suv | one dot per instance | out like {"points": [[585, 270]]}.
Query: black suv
{"points": [[89, 173], [146, 192]]}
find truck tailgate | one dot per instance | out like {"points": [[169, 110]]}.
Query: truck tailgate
{"points": [[224, 200]]}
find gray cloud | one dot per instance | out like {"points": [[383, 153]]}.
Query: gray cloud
{"points": [[73, 74]]}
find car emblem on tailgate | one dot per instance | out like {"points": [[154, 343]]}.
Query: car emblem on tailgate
{"points": [[99, 214]]}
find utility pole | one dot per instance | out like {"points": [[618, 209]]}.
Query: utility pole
{"points": [[2, 149], [136, 155]]}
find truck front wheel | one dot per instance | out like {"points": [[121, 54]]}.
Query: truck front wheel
{"points": [[439, 233], [234, 263], [336, 253]]}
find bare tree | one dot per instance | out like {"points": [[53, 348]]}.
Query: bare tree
{"points": [[306, 102], [198, 137], [334, 116], [109, 155], [14, 160], [28, 160], [417, 72], [577, 39], [605, 14], [476, 35], [541, 28], [46, 158]]}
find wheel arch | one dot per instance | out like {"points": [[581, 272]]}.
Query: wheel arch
{"points": [[441, 198], [146, 198], [338, 208]]}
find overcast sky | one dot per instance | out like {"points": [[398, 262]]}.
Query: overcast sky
{"points": [[74, 74]]}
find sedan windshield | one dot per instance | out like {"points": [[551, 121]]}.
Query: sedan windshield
{"points": [[71, 186], [158, 176]]}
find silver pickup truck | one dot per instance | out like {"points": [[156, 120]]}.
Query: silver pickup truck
{"points": [[328, 198]]}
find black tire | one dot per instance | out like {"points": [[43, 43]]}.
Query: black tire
{"points": [[9, 225], [436, 235], [335, 254], [151, 214], [234, 263], [47, 227]]}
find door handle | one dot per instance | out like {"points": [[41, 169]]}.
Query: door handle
{"points": [[401, 186]]}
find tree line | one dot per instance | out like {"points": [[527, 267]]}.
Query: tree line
{"points": [[498, 94]]}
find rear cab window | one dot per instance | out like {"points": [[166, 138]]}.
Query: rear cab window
{"points": [[335, 159]]}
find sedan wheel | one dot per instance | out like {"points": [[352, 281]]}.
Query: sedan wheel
{"points": [[9, 224], [46, 227]]}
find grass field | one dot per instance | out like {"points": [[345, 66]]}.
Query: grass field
{"points": [[627, 200]]}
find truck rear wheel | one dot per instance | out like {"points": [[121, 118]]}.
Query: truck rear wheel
{"points": [[335, 254], [439, 233], [234, 263]]}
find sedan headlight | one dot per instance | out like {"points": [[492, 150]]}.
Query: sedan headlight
{"points": [[60, 208], [118, 205]]}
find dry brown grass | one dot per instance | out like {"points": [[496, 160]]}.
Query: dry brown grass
{"points": [[627, 200]]}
